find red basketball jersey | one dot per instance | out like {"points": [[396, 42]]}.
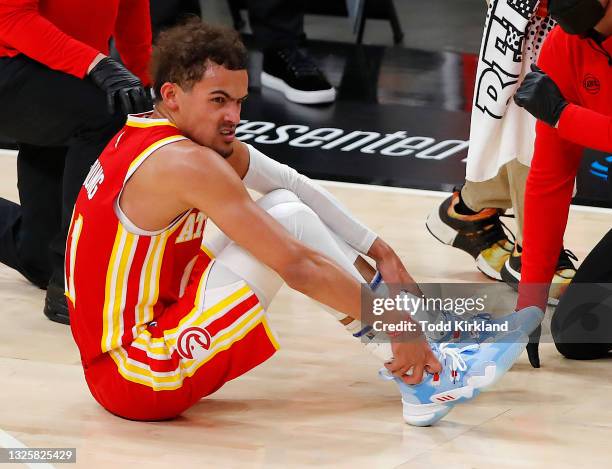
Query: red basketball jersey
{"points": [[119, 278]]}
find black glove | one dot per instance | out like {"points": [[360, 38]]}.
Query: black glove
{"points": [[540, 97], [124, 91], [532, 347]]}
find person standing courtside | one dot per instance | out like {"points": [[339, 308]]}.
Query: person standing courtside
{"points": [[278, 28], [62, 100], [501, 148]]}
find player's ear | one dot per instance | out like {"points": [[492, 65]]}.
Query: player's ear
{"points": [[169, 95]]}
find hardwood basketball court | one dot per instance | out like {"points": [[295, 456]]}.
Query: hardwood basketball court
{"points": [[318, 401]]}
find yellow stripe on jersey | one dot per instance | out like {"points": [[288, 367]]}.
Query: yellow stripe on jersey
{"points": [[145, 122], [117, 275], [144, 307], [106, 330], [150, 149], [69, 231], [150, 276]]}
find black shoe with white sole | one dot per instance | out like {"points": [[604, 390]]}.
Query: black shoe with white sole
{"points": [[294, 74], [511, 273]]}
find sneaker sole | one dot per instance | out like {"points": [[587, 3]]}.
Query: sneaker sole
{"points": [[298, 96], [424, 415], [486, 269], [440, 230], [447, 235]]}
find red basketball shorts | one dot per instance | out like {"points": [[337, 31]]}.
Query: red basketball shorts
{"points": [[205, 339]]}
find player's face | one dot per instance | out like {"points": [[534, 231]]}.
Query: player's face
{"points": [[210, 111]]}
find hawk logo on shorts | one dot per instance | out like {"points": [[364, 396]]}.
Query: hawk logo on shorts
{"points": [[190, 340]]}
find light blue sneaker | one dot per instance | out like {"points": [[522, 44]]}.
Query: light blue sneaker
{"points": [[466, 370], [483, 327]]}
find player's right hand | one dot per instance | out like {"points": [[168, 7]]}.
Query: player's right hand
{"points": [[124, 91], [412, 354]]}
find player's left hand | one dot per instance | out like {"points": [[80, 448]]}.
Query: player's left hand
{"points": [[541, 97]]}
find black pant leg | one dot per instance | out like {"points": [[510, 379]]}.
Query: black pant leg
{"points": [[47, 108], [277, 23], [582, 322]]}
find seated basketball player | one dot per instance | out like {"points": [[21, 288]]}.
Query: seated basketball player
{"points": [[161, 321]]}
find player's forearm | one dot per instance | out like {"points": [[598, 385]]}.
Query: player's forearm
{"points": [[322, 280]]}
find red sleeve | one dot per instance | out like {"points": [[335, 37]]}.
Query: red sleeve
{"points": [[24, 29], [550, 186], [585, 127], [133, 37]]}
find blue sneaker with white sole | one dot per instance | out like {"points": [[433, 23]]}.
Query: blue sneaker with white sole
{"points": [[466, 370], [485, 328]]}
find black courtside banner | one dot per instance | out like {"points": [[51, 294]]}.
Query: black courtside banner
{"points": [[382, 144]]}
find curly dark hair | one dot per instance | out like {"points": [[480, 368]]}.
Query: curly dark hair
{"points": [[182, 53]]}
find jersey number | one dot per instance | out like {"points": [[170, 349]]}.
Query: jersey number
{"points": [[75, 232]]}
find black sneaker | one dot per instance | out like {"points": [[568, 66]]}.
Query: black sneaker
{"points": [[481, 235], [294, 74], [511, 273], [56, 308]]}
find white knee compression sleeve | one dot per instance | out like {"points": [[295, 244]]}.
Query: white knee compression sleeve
{"points": [[302, 223], [233, 262]]}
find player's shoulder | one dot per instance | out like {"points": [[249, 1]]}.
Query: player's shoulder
{"points": [[184, 151], [183, 159]]}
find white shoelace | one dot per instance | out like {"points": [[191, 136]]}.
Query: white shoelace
{"points": [[458, 363]]}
